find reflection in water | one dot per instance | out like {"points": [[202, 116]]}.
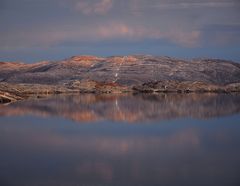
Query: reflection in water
{"points": [[53, 151], [89, 108]]}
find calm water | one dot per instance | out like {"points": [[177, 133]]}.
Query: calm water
{"points": [[121, 140]]}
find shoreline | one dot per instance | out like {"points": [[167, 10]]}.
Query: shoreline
{"points": [[10, 92], [117, 75]]}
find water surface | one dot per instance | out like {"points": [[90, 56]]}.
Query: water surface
{"points": [[98, 140]]}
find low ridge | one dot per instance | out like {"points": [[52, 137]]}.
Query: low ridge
{"points": [[135, 73]]}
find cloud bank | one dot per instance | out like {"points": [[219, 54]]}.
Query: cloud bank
{"points": [[177, 24], [98, 7]]}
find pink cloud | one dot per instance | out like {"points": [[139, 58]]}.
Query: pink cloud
{"points": [[185, 38], [114, 30], [100, 32]]}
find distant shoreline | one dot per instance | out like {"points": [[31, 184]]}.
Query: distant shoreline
{"points": [[16, 92]]}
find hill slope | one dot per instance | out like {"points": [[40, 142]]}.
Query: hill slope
{"points": [[129, 70], [139, 73]]}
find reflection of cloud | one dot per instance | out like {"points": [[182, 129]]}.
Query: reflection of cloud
{"points": [[114, 145], [99, 8], [102, 155], [102, 170]]}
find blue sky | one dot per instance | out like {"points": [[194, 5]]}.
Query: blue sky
{"points": [[35, 30]]}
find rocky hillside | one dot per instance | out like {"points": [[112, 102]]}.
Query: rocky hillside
{"points": [[127, 70], [139, 73]]}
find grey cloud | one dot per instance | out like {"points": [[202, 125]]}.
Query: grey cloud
{"points": [[99, 7], [182, 23], [187, 5]]}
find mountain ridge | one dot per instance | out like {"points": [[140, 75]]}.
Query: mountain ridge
{"points": [[116, 74]]}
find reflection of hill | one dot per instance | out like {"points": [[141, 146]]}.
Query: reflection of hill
{"points": [[87, 108]]}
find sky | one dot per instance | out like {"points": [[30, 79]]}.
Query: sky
{"points": [[36, 30]]}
